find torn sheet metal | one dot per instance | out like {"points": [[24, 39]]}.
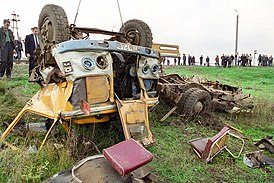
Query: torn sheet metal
{"points": [[257, 159], [266, 143], [224, 97]]}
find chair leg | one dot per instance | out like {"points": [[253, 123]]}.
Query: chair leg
{"points": [[240, 152]]}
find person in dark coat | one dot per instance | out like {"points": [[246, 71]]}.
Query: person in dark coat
{"points": [[207, 61], [18, 48], [7, 49], [31, 43], [201, 60], [193, 60], [217, 61], [184, 59], [189, 60], [260, 60]]}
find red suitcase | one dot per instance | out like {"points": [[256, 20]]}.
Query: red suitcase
{"points": [[127, 156]]}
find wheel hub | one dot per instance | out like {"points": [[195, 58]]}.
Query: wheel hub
{"points": [[198, 107], [47, 31], [133, 36]]}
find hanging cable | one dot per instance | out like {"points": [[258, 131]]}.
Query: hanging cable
{"points": [[77, 12], [120, 12]]}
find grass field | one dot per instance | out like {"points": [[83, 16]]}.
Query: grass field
{"points": [[174, 161]]}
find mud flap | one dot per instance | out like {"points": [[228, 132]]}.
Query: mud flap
{"points": [[134, 119]]}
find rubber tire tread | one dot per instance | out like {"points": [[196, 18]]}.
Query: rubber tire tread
{"points": [[143, 29], [191, 97], [182, 101], [59, 20]]}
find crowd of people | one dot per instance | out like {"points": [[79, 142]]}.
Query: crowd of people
{"points": [[244, 60], [11, 49], [265, 61]]}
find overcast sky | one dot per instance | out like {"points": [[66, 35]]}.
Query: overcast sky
{"points": [[198, 26]]}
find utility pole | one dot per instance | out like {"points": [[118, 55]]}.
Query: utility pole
{"points": [[236, 42], [15, 21]]}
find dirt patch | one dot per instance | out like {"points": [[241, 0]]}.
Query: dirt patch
{"points": [[207, 120]]}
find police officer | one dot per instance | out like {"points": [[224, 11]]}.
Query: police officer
{"points": [[7, 48]]}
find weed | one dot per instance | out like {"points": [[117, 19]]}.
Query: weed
{"points": [[174, 160]]}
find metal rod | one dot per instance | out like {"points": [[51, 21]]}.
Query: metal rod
{"points": [[77, 12], [120, 12], [236, 42]]}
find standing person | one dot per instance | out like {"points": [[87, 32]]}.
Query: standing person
{"points": [[189, 60], [207, 61], [239, 61], [31, 43], [179, 61], [229, 60], [266, 60], [223, 60], [232, 59], [175, 61], [270, 61], [217, 61], [18, 48], [244, 60], [7, 48], [184, 59], [193, 60], [260, 60], [201, 60], [250, 60]]}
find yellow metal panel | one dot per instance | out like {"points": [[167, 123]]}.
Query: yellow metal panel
{"points": [[136, 113], [49, 102], [91, 119], [131, 121], [167, 50], [98, 88]]}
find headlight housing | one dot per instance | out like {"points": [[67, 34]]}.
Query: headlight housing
{"points": [[88, 63]]}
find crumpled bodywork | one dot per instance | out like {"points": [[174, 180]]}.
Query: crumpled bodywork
{"points": [[225, 97], [97, 73], [49, 102]]}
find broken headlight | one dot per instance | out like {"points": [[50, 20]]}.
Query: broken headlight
{"points": [[88, 63], [145, 69], [155, 69]]}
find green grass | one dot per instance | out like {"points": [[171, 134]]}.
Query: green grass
{"points": [[258, 81], [174, 160]]}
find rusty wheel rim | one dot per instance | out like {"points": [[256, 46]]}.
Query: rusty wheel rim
{"points": [[133, 36], [47, 31]]}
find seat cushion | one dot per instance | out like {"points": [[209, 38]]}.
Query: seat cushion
{"points": [[199, 145], [127, 156]]}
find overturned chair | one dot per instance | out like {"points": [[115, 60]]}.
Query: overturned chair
{"points": [[125, 162], [208, 148]]}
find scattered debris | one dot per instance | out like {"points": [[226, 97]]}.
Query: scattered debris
{"points": [[208, 148], [266, 143], [257, 159], [36, 127], [194, 95], [114, 166], [58, 146], [31, 149], [168, 114], [11, 146]]}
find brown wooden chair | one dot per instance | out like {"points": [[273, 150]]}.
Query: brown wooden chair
{"points": [[208, 148]]}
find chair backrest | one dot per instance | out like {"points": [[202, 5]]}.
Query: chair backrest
{"points": [[216, 143]]}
